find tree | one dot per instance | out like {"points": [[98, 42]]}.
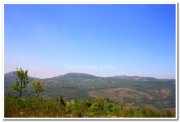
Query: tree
{"points": [[21, 81], [38, 86], [97, 107]]}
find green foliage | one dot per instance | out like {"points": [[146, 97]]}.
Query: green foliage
{"points": [[21, 81], [97, 107], [33, 107], [148, 112], [130, 112], [104, 107], [38, 107], [38, 86], [76, 108], [61, 100]]}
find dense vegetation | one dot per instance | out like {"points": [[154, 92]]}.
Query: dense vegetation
{"points": [[39, 107]]}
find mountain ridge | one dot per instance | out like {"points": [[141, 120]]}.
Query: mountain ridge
{"points": [[87, 74]]}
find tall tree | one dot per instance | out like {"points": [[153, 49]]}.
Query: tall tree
{"points": [[21, 81]]}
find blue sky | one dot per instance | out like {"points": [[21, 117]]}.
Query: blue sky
{"points": [[132, 39]]}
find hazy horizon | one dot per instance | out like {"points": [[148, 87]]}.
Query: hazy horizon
{"points": [[93, 75], [101, 40]]}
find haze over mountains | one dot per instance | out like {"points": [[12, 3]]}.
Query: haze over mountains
{"points": [[129, 90]]}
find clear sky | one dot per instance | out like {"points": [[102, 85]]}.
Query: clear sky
{"points": [[51, 40]]}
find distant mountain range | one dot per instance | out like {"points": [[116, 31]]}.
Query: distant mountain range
{"points": [[129, 90]]}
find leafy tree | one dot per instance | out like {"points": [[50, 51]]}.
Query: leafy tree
{"points": [[21, 81], [38, 86], [97, 107]]}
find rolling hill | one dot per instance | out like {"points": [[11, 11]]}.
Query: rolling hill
{"points": [[129, 90]]}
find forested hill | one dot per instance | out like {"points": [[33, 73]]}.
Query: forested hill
{"points": [[129, 90]]}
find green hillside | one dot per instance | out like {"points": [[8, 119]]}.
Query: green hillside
{"points": [[129, 90]]}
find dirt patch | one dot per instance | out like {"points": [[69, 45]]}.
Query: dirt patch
{"points": [[119, 93], [165, 92], [162, 92]]}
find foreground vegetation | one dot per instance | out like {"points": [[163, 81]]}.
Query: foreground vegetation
{"points": [[39, 107]]}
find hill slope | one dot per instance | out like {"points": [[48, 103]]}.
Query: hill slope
{"points": [[130, 90]]}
